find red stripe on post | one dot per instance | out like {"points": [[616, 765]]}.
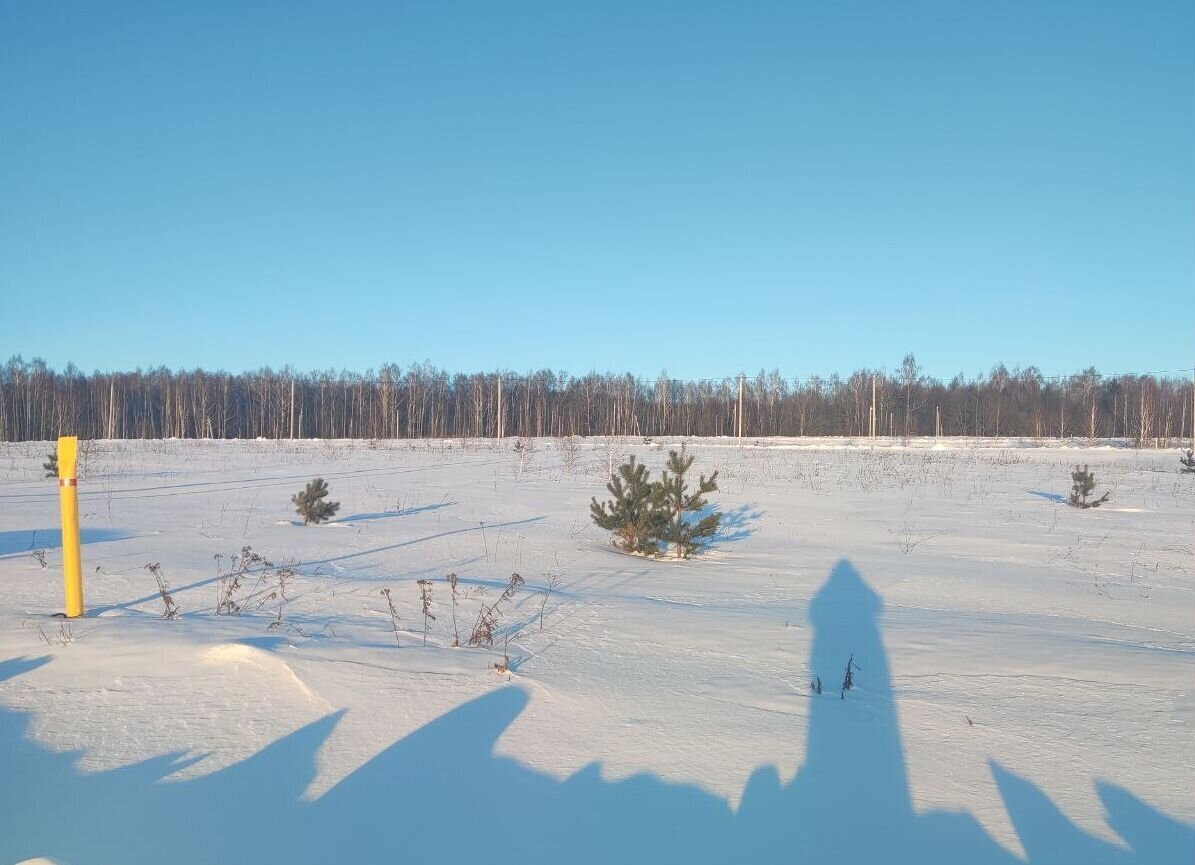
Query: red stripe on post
{"points": [[68, 482]]}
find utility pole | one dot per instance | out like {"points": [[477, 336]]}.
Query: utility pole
{"points": [[740, 417], [1062, 417], [292, 408], [937, 421], [872, 420], [499, 408]]}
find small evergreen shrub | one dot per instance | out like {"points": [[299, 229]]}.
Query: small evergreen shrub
{"points": [[636, 514], [1188, 461], [310, 504], [1082, 487], [51, 465], [686, 538], [645, 514]]}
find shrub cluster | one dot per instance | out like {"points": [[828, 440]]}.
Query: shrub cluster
{"points": [[651, 518]]}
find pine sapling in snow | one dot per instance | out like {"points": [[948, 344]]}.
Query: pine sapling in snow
{"points": [[1084, 483], [636, 515], [686, 538], [310, 504], [1188, 461], [51, 465]]}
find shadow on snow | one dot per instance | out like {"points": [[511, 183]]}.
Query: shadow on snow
{"points": [[26, 540], [737, 524], [207, 581], [385, 515], [442, 793], [1050, 497]]}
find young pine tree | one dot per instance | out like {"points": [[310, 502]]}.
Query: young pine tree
{"points": [[686, 537], [51, 465], [1084, 483], [1188, 461], [310, 504], [636, 514]]}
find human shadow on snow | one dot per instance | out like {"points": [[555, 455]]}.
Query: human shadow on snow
{"points": [[443, 794]]}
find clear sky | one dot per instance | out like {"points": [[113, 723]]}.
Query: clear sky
{"points": [[691, 186]]}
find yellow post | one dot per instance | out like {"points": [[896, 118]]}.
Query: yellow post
{"points": [[72, 557]]}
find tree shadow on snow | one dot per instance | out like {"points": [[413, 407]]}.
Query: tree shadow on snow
{"points": [[1052, 497], [442, 794], [16, 666], [479, 528], [737, 524], [385, 515], [25, 540]]}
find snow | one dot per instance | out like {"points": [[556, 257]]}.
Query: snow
{"points": [[1025, 685]]}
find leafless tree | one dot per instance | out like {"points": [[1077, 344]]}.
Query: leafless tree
{"points": [[40, 403], [569, 449]]}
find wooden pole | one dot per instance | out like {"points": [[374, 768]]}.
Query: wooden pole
{"points": [[499, 408], [740, 417], [1062, 416], [873, 407]]}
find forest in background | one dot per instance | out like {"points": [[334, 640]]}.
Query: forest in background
{"points": [[421, 401]]}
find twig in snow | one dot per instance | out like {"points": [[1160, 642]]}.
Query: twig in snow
{"points": [[550, 586], [848, 680], [456, 634], [425, 600], [172, 609], [393, 615]]}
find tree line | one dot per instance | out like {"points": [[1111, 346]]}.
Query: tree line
{"points": [[421, 401]]}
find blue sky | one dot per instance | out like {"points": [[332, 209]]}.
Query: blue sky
{"points": [[698, 187]]}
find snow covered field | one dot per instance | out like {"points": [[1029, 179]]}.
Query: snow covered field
{"points": [[1025, 684]]}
